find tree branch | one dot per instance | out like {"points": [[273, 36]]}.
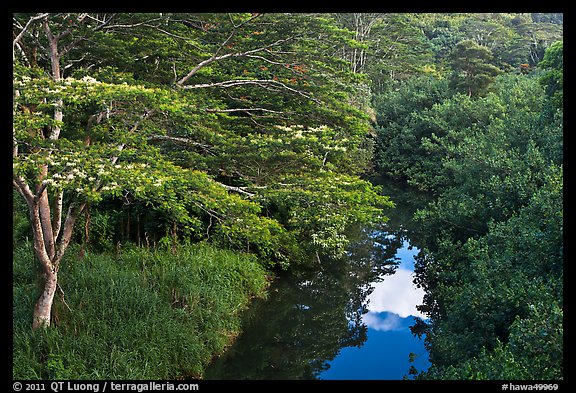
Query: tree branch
{"points": [[178, 139], [30, 21], [215, 57], [265, 83], [102, 22], [240, 190], [143, 23], [247, 110], [24, 189], [74, 211], [57, 221]]}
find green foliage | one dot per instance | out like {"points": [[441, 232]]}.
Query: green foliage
{"points": [[56, 370], [512, 38], [483, 292], [492, 267], [137, 315], [320, 209], [553, 77], [251, 131], [472, 72], [398, 131], [534, 351], [184, 121], [400, 46]]}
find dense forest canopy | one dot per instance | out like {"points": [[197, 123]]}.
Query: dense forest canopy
{"points": [[486, 140], [258, 133]]}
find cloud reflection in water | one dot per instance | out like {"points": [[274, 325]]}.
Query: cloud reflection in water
{"points": [[395, 294]]}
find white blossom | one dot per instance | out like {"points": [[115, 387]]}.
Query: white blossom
{"points": [[89, 79]]}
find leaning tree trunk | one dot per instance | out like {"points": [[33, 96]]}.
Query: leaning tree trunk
{"points": [[43, 307], [49, 245], [51, 236], [44, 251], [51, 262]]}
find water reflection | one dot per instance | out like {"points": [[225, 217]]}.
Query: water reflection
{"points": [[304, 323], [397, 295], [313, 317], [390, 343]]}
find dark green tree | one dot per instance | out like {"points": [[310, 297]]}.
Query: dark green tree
{"points": [[553, 77], [472, 71]]}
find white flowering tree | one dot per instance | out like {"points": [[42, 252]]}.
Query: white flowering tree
{"points": [[236, 126], [59, 170], [77, 141]]}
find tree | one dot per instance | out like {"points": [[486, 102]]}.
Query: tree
{"points": [[394, 47], [181, 112], [57, 165], [472, 72], [553, 77]]}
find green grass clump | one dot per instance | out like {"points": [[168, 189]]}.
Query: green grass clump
{"points": [[137, 315]]}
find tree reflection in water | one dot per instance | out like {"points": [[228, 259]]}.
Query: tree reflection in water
{"points": [[311, 315]]}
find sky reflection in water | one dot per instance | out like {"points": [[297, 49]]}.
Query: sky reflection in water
{"points": [[347, 318], [391, 312]]}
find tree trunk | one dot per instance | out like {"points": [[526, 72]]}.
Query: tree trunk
{"points": [[43, 308]]}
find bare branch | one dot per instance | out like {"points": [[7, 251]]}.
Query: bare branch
{"points": [[74, 42], [14, 140], [215, 57], [41, 188], [23, 188], [143, 23], [265, 83], [39, 245], [254, 16], [102, 22], [74, 211], [57, 221], [280, 63], [14, 146], [247, 110], [170, 34], [178, 139], [24, 57], [32, 20], [240, 190]]}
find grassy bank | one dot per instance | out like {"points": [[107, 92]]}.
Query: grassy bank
{"points": [[137, 315]]}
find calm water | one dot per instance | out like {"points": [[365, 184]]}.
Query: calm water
{"points": [[348, 319], [391, 312]]}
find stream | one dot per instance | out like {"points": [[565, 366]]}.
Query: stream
{"points": [[348, 320]]}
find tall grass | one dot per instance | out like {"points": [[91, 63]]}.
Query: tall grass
{"points": [[137, 315]]}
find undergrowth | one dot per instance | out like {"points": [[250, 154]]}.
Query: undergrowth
{"points": [[140, 314]]}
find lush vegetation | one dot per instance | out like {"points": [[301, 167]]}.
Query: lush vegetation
{"points": [[162, 130], [165, 164], [141, 314], [493, 264]]}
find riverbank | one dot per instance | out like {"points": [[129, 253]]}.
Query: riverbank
{"points": [[139, 314], [346, 318]]}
